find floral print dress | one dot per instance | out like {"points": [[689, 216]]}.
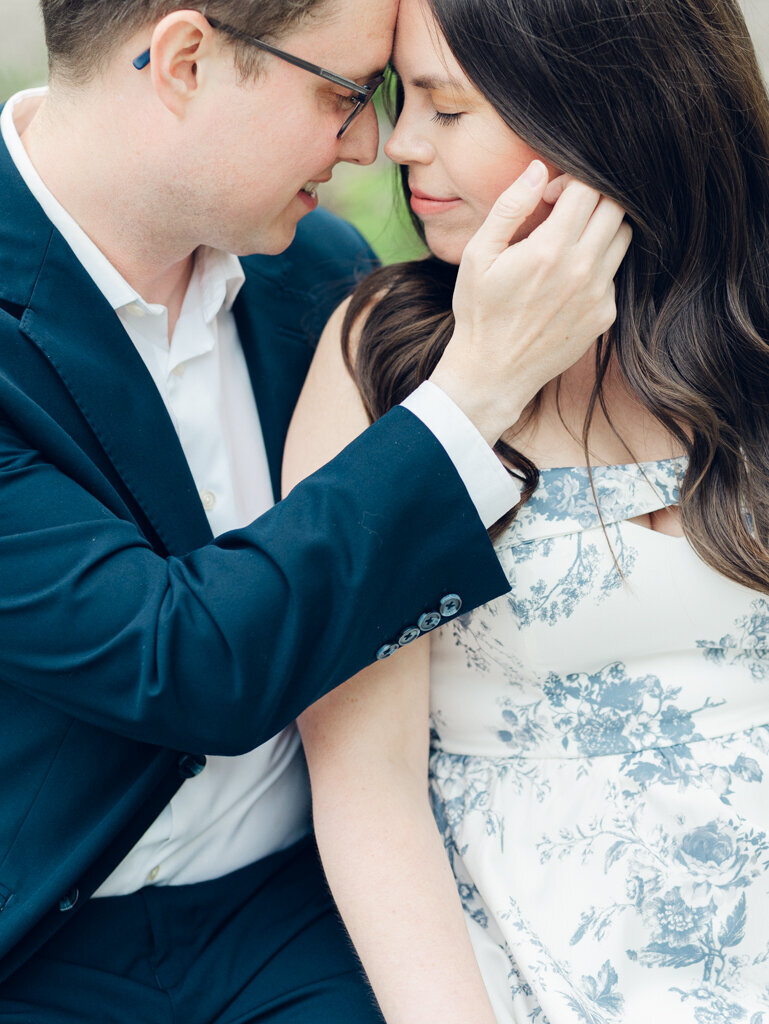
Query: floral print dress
{"points": [[600, 766]]}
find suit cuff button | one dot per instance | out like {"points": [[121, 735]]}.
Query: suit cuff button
{"points": [[408, 635], [428, 621], [386, 651], [450, 605]]}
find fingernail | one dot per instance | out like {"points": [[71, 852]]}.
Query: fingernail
{"points": [[535, 173]]}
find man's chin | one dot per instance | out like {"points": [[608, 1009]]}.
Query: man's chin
{"points": [[269, 243]]}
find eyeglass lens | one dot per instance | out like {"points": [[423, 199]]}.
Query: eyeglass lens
{"points": [[362, 103]]}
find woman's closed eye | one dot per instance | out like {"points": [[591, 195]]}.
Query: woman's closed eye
{"points": [[440, 117]]}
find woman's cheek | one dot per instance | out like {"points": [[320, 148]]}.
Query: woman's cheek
{"points": [[505, 174]]}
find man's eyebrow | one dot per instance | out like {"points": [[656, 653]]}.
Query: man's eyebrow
{"points": [[367, 75]]}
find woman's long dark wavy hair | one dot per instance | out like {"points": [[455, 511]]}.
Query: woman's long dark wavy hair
{"points": [[660, 105]]}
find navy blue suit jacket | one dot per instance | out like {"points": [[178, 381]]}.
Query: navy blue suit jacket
{"points": [[130, 640]]}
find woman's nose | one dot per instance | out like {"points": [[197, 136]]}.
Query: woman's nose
{"points": [[406, 145]]}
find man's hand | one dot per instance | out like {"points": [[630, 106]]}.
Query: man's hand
{"points": [[526, 312]]}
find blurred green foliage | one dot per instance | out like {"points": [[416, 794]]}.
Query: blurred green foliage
{"points": [[371, 199], [14, 79]]}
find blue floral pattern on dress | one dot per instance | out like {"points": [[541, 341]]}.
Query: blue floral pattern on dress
{"points": [[551, 600], [749, 643], [599, 766]]}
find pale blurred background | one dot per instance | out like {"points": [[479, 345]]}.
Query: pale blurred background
{"points": [[364, 196]]}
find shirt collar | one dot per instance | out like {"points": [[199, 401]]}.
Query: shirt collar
{"points": [[221, 275]]}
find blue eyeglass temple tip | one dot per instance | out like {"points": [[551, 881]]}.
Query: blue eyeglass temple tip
{"points": [[142, 60]]}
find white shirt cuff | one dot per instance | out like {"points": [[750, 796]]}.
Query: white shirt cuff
{"points": [[491, 488]]}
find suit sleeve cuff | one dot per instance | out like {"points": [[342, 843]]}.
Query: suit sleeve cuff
{"points": [[491, 488]]}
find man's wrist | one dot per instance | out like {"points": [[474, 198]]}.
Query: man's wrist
{"points": [[480, 403]]}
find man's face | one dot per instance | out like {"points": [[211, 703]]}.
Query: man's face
{"points": [[257, 144]]}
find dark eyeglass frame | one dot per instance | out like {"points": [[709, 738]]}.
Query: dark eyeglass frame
{"points": [[364, 93]]}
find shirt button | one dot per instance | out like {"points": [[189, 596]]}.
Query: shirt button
{"points": [[178, 371], [209, 500], [154, 873], [136, 309], [190, 765]]}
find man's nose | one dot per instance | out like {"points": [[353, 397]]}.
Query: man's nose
{"points": [[360, 143]]}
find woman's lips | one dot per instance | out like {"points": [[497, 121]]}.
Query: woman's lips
{"points": [[423, 204]]}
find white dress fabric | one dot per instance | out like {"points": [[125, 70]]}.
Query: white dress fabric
{"points": [[600, 766]]}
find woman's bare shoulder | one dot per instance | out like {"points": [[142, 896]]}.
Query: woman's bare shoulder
{"points": [[330, 412]]}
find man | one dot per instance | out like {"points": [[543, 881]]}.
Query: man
{"points": [[147, 377]]}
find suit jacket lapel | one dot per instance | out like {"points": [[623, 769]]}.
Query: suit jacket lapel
{"points": [[276, 355], [65, 315], [76, 329], [281, 310]]}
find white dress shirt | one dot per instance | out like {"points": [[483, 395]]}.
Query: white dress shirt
{"points": [[238, 809]]}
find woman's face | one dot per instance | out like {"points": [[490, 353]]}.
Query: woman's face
{"points": [[459, 152]]}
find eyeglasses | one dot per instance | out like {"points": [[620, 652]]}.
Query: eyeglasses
{"points": [[363, 94]]}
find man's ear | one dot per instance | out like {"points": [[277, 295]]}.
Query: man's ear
{"points": [[180, 41]]}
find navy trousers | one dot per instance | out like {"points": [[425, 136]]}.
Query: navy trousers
{"points": [[263, 944]]}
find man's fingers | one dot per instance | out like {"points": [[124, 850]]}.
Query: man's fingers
{"points": [[603, 225], [570, 215], [556, 187], [617, 250], [510, 211]]}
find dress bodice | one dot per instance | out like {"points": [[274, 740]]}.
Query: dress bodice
{"points": [[613, 637]]}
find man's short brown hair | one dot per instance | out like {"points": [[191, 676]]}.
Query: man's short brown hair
{"points": [[81, 35]]}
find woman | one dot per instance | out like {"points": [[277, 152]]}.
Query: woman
{"points": [[600, 746]]}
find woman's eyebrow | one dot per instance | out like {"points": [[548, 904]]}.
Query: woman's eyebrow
{"points": [[437, 82], [429, 82]]}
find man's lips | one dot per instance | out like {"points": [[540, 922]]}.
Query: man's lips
{"points": [[423, 203], [309, 194], [313, 183]]}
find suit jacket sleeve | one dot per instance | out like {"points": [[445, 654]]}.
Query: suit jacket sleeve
{"points": [[217, 650]]}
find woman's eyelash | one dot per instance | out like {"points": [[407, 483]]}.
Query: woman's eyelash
{"points": [[440, 118]]}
